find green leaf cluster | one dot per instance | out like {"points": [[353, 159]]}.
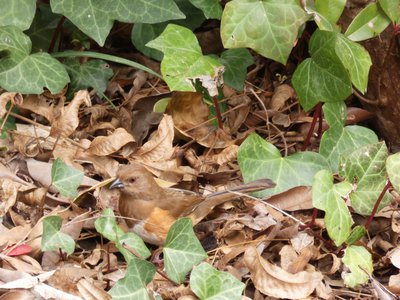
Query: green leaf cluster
{"points": [[182, 251], [335, 64]]}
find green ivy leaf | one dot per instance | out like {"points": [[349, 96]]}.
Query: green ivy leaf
{"points": [[357, 233], [144, 33], [96, 17], [209, 283], [134, 242], [322, 22], [316, 83], [359, 261], [330, 9], [366, 165], [335, 63], [27, 73], [42, 29], [146, 11], [18, 13], [236, 62], [211, 8], [339, 140], [269, 27], [370, 22], [391, 9], [180, 64], [133, 286], [328, 197], [53, 239], [355, 59], [182, 250], [393, 167], [92, 74], [107, 226], [8, 125], [65, 178], [259, 159]]}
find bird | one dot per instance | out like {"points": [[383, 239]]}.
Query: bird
{"points": [[150, 210]]}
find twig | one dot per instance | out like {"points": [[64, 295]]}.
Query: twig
{"points": [[268, 123], [44, 128]]}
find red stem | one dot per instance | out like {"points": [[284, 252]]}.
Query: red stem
{"points": [[371, 217], [317, 114], [319, 132], [219, 116]]}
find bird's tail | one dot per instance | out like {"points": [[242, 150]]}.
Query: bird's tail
{"points": [[205, 207]]}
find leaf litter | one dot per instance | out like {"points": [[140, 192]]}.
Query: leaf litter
{"points": [[258, 243]]}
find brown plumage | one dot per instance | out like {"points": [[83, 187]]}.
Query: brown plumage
{"points": [[151, 209]]}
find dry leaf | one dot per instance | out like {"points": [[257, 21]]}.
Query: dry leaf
{"points": [[298, 198], [282, 93], [240, 112], [18, 295], [67, 153], [8, 193], [227, 155], [15, 98], [394, 283], [68, 121], [41, 172], [18, 263], [281, 120], [394, 256], [190, 115], [143, 117], [159, 147], [102, 126], [288, 256], [14, 235], [258, 223], [301, 241], [329, 263], [90, 290], [43, 106], [273, 281], [187, 109], [33, 197], [106, 145]]}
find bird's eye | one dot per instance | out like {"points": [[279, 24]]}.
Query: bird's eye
{"points": [[132, 180]]}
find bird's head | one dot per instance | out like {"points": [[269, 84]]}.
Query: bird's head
{"points": [[135, 181]]}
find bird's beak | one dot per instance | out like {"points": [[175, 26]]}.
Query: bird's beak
{"points": [[117, 184]]}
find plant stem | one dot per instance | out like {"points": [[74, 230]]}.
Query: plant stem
{"points": [[317, 114], [218, 110], [375, 209], [108, 57], [56, 32]]}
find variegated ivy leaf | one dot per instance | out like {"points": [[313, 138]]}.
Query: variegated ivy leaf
{"points": [[339, 139], [270, 27], [96, 17], [259, 159], [183, 64], [366, 167], [330, 198], [335, 63]]}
